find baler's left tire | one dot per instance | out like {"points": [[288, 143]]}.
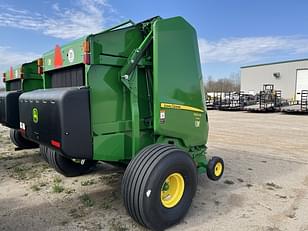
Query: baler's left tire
{"points": [[158, 186], [68, 167], [20, 141]]}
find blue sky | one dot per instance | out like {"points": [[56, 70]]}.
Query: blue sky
{"points": [[231, 33]]}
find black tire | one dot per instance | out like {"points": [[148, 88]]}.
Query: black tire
{"points": [[43, 151], [143, 181], [212, 172], [66, 166], [20, 141]]}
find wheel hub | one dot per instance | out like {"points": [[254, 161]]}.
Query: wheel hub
{"points": [[172, 190], [218, 169]]}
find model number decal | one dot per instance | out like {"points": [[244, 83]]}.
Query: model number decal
{"points": [[180, 107]]}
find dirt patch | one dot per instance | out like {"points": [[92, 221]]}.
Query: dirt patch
{"points": [[306, 181], [264, 186]]}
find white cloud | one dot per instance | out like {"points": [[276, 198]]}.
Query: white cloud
{"points": [[87, 16], [10, 57], [250, 49]]}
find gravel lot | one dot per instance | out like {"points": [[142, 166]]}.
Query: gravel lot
{"points": [[265, 186]]}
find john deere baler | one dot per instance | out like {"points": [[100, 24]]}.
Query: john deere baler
{"points": [[19, 79], [132, 94]]}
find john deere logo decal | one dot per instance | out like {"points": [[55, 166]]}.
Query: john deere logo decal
{"points": [[71, 55], [35, 115]]}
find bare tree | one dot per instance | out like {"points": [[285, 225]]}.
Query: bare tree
{"points": [[224, 85]]}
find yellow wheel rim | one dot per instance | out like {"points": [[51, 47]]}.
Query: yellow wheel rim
{"points": [[218, 169], [172, 190]]}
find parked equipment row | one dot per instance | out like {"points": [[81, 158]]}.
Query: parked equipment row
{"points": [[267, 100]]}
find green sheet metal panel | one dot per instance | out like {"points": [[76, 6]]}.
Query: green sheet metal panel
{"points": [[108, 96], [179, 109], [117, 146], [110, 113], [64, 56], [117, 44], [27, 74], [110, 99], [31, 79]]}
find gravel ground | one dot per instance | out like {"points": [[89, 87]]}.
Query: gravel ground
{"points": [[265, 186]]}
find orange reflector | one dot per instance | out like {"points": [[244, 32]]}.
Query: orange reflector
{"points": [[58, 61], [40, 62], [11, 73], [56, 144], [86, 46]]}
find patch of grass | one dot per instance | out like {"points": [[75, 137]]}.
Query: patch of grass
{"points": [[43, 184], [57, 188], [105, 205], [20, 172], [115, 225], [110, 179], [23, 172], [35, 188], [57, 180], [4, 158], [69, 191], [38, 186], [88, 182], [76, 214], [63, 223], [86, 200]]}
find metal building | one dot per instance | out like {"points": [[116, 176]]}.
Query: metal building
{"points": [[291, 77]]}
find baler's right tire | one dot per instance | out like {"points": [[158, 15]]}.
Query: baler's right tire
{"points": [[158, 186], [20, 141], [66, 166]]}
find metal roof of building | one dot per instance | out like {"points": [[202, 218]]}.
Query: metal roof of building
{"points": [[273, 63]]}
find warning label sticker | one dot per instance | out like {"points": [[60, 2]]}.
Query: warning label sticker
{"points": [[162, 116]]}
